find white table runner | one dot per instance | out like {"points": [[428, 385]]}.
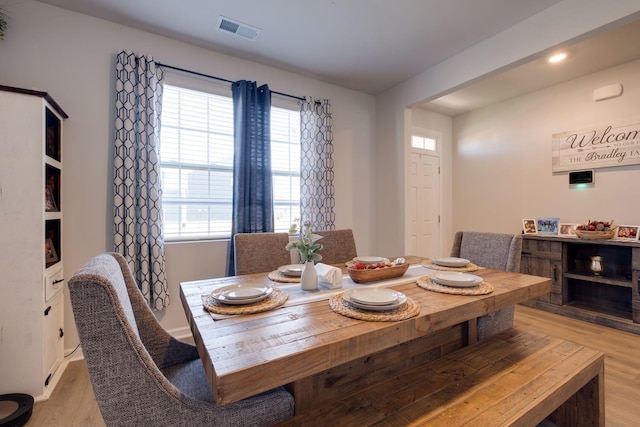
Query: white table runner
{"points": [[298, 296]]}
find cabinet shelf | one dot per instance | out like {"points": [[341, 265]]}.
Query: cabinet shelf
{"points": [[614, 281], [613, 313]]}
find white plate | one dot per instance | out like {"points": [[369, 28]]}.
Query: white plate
{"points": [[294, 270], [451, 262], [241, 294], [374, 296], [369, 259], [456, 279], [401, 300]]}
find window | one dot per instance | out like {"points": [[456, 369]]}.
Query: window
{"points": [[196, 161], [423, 142]]}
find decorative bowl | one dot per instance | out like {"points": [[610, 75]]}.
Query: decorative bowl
{"points": [[599, 235], [371, 275]]}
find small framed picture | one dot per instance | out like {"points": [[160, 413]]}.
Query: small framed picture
{"points": [[627, 232], [50, 254], [568, 230], [548, 225], [49, 201], [529, 226]]}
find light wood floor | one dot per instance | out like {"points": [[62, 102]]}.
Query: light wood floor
{"points": [[72, 402]]}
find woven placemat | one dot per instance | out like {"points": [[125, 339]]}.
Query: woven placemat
{"points": [[276, 299], [406, 311], [429, 264], [426, 283], [279, 276]]}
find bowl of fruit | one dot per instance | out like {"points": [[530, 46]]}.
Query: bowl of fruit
{"points": [[596, 230], [361, 272]]}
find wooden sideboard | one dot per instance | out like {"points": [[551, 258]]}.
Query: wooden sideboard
{"points": [[609, 298]]}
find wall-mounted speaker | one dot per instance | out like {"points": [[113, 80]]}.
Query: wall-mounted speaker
{"points": [[581, 177]]}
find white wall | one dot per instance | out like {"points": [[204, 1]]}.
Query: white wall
{"points": [[569, 20], [502, 157], [72, 57]]}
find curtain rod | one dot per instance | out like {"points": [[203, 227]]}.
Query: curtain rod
{"points": [[221, 79]]}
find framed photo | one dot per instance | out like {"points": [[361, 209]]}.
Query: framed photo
{"points": [[568, 230], [627, 232], [50, 254], [548, 226], [529, 226], [49, 202]]}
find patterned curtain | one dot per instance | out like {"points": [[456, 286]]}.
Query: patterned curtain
{"points": [[316, 164], [137, 192], [252, 181]]}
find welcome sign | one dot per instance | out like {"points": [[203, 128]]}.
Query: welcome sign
{"points": [[600, 147]]}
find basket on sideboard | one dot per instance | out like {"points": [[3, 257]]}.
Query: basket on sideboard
{"points": [[597, 235]]}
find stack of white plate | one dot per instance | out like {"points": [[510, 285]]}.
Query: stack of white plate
{"points": [[293, 270], [451, 262], [375, 299], [242, 293], [455, 279]]}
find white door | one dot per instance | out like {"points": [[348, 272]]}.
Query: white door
{"points": [[423, 204]]}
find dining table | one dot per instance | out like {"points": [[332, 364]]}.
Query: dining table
{"points": [[322, 355]]}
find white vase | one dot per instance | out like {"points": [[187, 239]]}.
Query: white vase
{"points": [[309, 278]]}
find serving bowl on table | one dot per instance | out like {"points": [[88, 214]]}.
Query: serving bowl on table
{"points": [[373, 274]]}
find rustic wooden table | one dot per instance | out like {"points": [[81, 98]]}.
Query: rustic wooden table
{"points": [[320, 355]]}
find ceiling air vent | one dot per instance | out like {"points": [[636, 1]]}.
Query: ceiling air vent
{"points": [[238, 28]]}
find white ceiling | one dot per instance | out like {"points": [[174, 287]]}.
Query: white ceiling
{"points": [[365, 45], [614, 47]]}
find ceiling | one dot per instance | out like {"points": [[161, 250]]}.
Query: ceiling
{"points": [[614, 47], [364, 45]]}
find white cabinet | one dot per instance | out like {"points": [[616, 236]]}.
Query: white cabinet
{"points": [[31, 273]]}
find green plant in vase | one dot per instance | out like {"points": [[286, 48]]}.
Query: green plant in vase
{"points": [[307, 246], [293, 228]]}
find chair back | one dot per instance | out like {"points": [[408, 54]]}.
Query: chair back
{"points": [[491, 250], [339, 246], [108, 328], [260, 252], [140, 374]]}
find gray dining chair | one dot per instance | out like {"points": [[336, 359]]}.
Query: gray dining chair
{"points": [[260, 252], [338, 246], [491, 250], [141, 375]]}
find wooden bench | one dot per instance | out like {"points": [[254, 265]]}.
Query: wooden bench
{"points": [[513, 378]]}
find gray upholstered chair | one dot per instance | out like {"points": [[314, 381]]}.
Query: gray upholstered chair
{"points": [[141, 375], [338, 246], [260, 252], [491, 250]]}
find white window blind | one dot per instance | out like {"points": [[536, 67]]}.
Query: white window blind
{"points": [[196, 160]]}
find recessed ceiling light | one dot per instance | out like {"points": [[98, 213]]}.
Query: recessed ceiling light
{"points": [[558, 57]]}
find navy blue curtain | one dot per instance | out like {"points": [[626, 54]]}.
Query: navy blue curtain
{"points": [[252, 182]]}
